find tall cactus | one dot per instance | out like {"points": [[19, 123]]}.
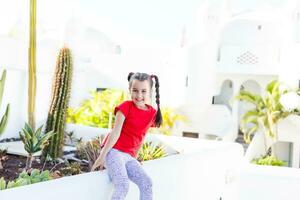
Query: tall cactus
{"points": [[60, 98], [4, 118]]}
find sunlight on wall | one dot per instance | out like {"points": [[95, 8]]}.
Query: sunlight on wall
{"points": [[11, 13]]}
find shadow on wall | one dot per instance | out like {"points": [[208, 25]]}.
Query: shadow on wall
{"points": [[225, 95]]}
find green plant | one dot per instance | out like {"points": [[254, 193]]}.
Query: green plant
{"points": [[150, 151], [32, 65], [269, 160], [170, 118], [59, 103], [33, 141], [72, 168], [11, 184], [25, 178], [4, 118], [2, 183], [90, 150], [35, 176], [266, 114], [98, 110]]}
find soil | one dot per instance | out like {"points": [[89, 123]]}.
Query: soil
{"points": [[13, 165]]}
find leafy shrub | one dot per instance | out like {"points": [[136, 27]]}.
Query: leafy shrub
{"points": [[26, 178], [97, 111], [265, 114], [269, 160], [72, 168], [90, 150], [150, 151]]}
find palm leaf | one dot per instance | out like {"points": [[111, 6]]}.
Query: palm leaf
{"points": [[249, 97], [273, 85], [249, 133]]}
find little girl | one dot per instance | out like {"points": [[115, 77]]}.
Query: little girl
{"points": [[133, 119]]}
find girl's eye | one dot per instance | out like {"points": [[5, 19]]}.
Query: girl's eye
{"points": [[144, 91]]}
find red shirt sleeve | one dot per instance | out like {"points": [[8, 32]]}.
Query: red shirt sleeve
{"points": [[123, 107]]}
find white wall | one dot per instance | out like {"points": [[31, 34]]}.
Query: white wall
{"points": [[15, 93], [201, 78], [105, 71]]}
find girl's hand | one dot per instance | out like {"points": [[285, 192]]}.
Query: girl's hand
{"points": [[99, 163]]}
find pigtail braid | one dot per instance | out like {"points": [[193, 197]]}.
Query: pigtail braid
{"points": [[129, 76], [158, 118]]}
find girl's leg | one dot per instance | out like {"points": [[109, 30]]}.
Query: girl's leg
{"points": [[115, 166], [137, 175]]}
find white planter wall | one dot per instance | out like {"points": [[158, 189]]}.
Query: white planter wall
{"points": [[86, 132], [199, 172], [269, 182]]}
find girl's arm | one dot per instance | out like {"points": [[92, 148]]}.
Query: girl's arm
{"points": [[111, 141]]}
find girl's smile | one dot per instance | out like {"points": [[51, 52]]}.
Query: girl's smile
{"points": [[140, 93]]}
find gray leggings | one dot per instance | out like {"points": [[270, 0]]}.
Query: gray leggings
{"points": [[121, 168]]}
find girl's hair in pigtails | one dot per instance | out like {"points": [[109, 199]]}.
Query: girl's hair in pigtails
{"points": [[142, 77], [158, 118], [129, 76]]}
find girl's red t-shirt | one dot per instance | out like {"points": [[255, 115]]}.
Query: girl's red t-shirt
{"points": [[136, 124]]}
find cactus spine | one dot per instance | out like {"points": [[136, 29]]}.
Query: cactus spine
{"points": [[60, 98], [4, 118]]}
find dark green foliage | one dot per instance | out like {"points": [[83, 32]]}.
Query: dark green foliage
{"points": [[59, 104]]}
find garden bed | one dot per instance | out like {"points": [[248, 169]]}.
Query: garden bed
{"points": [[73, 162], [13, 165]]}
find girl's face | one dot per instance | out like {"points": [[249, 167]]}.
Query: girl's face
{"points": [[140, 92]]}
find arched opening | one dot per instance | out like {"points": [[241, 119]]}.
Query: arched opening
{"points": [[225, 95]]}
